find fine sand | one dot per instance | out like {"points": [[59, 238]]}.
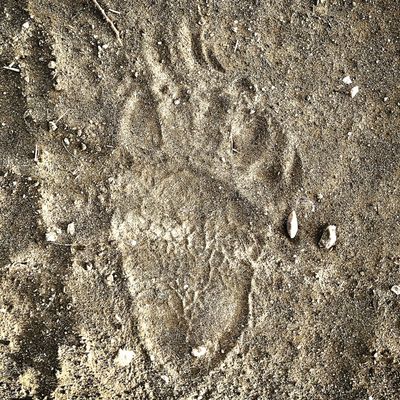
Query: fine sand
{"points": [[151, 152]]}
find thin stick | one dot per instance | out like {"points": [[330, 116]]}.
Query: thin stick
{"points": [[62, 116], [12, 69], [113, 27], [66, 149], [36, 158], [232, 142]]}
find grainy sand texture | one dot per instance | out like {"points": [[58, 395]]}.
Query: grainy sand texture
{"points": [[199, 199]]}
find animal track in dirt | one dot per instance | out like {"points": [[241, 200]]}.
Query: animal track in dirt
{"points": [[172, 156], [181, 224]]}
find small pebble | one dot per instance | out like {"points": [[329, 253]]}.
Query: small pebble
{"points": [[328, 238], [354, 91], [395, 289], [124, 357], [199, 351], [347, 80], [51, 236], [165, 378], [71, 229], [52, 126], [52, 65], [110, 279], [292, 224]]}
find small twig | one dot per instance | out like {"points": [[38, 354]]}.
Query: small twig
{"points": [[66, 149], [36, 158], [232, 142], [114, 11], [62, 244], [12, 68], [106, 17], [53, 124], [62, 116]]}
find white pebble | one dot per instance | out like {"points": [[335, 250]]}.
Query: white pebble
{"points": [[52, 126], [71, 229], [52, 65], [51, 236], [347, 80], [199, 351], [124, 357], [354, 91], [292, 224], [395, 289], [165, 378], [328, 238]]}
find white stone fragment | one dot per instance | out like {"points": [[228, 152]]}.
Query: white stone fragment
{"points": [[110, 279], [328, 238], [199, 351], [71, 229], [51, 236], [354, 91], [52, 65], [395, 289], [52, 126], [292, 224], [347, 80], [124, 357], [165, 378]]}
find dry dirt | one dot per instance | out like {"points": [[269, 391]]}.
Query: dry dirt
{"points": [[150, 153]]}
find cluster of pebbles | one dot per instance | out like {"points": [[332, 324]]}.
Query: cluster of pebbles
{"points": [[328, 237]]}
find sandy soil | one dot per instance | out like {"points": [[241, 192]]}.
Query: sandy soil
{"points": [[150, 153]]}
